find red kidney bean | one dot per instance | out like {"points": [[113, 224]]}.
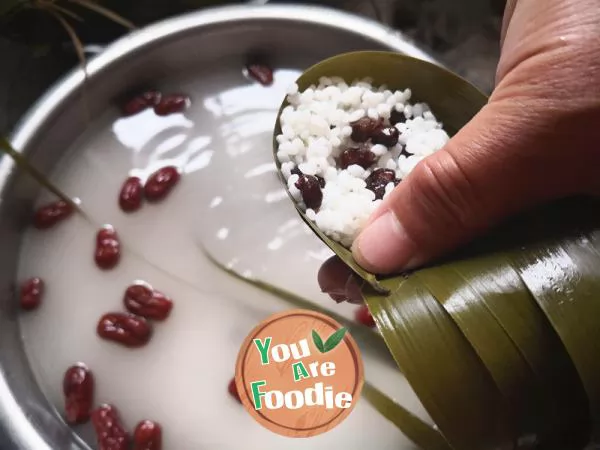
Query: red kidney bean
{"points": [[110, 433], [108, 248], [261, 73], [134, 106], [361, 156], [364, 128], [32, 292], [126, 329], [310, 189], [78, 389], [49, 215], [232, 388], [143, 300], [141, 102], [387, 136], [363, 315], [161, 182], [131, 195], [297, 171], [171, 104], [147, 436], [379, 179]]}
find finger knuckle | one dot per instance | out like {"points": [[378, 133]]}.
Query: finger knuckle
{"points": [[443, 190]]}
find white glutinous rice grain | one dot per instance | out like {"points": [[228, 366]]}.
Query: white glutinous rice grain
{"points": [[344, 147]]}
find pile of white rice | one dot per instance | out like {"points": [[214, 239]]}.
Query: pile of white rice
{"points": [[316, 128]]}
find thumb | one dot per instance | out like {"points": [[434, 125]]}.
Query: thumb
{"points": [[487, 171]]}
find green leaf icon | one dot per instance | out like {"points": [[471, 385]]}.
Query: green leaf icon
{"points": [[334, 340], [318, 341], [331, 343]]}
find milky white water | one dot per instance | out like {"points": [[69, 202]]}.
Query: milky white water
{"points": [[230, 201]]}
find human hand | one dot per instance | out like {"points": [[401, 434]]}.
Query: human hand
{"points": [[538, 139]]}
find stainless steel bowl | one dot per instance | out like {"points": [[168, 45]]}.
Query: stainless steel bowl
{"points": [[27, 420]]}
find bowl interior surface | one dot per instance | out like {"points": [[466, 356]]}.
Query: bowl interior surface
{"points": [[204, 50]]}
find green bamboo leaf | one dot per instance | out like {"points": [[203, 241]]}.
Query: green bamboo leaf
{"points": [[443, 369], [318, 341], [562, 414], [500, 319], [333, 340], [496, 350], [563, 277], [525, 317]]}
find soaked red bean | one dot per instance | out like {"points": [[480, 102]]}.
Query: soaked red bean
{"points": [[152, 97], [32, 292], [134, 106], [364, 129], [297, 171], [141, 102], [110, 433], [361, 156], [145, 301], [310, 189], [397, 117], [261, 73], [379, 179], [108, 248], [161, 183], [232, 388], [126, 329], [363, 316], [147, 436], [78, 389], [131, 195], [171, 104], [49, 215], [387, 136]]}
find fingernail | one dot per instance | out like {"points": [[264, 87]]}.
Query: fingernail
{"points": [[384, 246]]}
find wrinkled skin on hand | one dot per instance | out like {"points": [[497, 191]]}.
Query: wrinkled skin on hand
{"points": [[537, 140]]}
